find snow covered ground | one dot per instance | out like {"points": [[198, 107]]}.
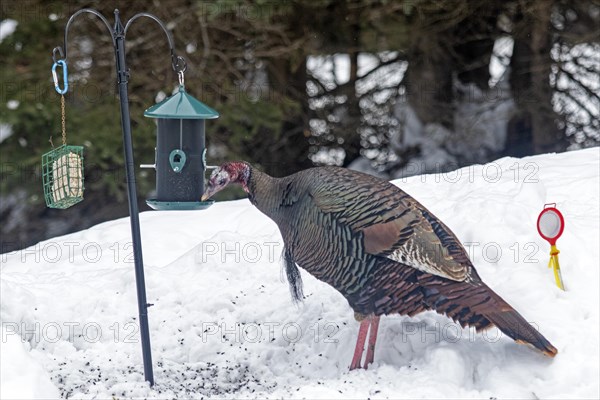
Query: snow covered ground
{"points": [[223, 324]]}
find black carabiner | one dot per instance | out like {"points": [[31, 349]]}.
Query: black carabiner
{"points": [[179, 64]]}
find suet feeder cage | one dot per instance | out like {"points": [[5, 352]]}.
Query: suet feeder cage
{"points": [[180, 156], [62, 176]]}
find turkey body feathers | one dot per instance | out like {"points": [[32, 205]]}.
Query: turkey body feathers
{"points": [[373, 217], [381, 249]]}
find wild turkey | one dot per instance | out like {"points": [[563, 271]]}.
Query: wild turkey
{"points": [[375, 244]]}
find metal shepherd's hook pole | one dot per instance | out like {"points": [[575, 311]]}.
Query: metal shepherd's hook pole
{"points": [[118, 33], [122, 79]]}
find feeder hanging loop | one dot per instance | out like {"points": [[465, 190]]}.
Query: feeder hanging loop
{"points": [[179, 63], [63, 64], [61, 55]]}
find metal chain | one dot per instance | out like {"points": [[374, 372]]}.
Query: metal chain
{"points": [[62, 110]]}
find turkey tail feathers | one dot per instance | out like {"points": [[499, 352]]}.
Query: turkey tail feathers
{"points": [[514, 325], [499, 313], [480, 307]]}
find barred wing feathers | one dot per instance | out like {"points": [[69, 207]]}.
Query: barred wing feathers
{"points": [[392, 223]]}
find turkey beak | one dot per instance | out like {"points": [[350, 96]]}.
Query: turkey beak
{"points": [[218, 180], [208, 193], [211, 188]]}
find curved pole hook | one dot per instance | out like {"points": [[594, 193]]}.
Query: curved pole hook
{"points": [[83, 10], [177, 62]]}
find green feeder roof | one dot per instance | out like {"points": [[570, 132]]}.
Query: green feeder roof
{"points": [[181, 106]]}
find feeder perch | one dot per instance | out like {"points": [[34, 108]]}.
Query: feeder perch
{"points": [[180, 157], [62, 176]]}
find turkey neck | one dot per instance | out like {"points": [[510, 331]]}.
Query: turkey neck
{"points": [[264, 192]]}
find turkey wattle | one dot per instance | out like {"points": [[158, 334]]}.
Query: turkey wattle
{"points": [[379, 247]]}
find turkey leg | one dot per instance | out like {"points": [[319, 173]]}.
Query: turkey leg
{"points": [[372, 339], [360, 343]]}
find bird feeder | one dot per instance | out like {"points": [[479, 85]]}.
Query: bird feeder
{"points": [[180, 157], [62, 167]]}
